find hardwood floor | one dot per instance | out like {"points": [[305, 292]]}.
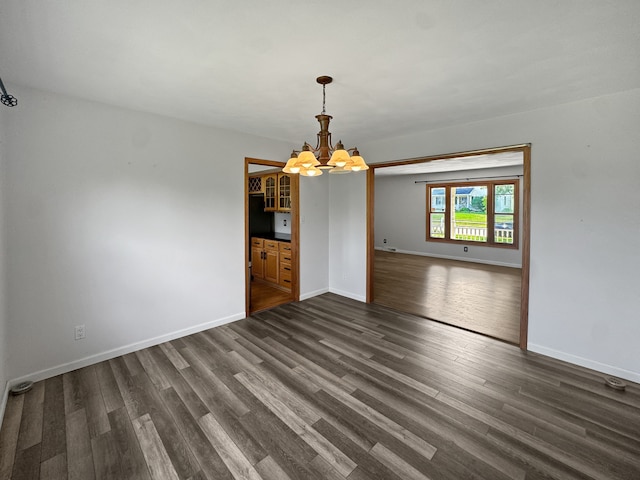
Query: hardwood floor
{"points": [[328, 388], [265, 296], [477, 297]]}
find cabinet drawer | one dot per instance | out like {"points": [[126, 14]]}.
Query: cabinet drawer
{"points": [[285, 277], [285, 247], [271, 244], [285, 258], [285, 269], [257, 242]]}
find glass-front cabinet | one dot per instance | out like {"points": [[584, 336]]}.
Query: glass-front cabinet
{"points": [[270, 192], [284, 193], [276, 188]]}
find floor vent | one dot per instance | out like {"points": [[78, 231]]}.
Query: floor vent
{"points": [[615, 383], [21, 388]]}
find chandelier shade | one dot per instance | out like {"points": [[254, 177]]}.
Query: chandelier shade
{"points": [[357, 163], [310, 162], [310, 172], [340, 156], [291, 166]]}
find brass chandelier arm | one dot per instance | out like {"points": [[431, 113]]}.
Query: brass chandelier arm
{"points": [[306, 144], [317, 148]]}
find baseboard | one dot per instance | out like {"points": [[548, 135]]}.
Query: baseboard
{"points": [[350, 295], [315, 293], [116, 352], [449, 257], [585, 362]]}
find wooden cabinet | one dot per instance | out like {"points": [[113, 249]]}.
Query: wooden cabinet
{"points": [[285, 265], [265, 259], [284, 192], [257, 257], [272, 261], [276, 188], [255, 184], [270, 187]]}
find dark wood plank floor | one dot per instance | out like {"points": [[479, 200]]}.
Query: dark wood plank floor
{"points": [[328, 388], [478, 297]]}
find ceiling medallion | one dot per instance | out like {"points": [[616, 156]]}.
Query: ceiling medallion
{"points": [[311, 161]]}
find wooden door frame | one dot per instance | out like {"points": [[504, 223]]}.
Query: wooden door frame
{"points": [[526, 221], [295, 230]]}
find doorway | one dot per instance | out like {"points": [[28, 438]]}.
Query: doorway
{"points": [[272, 223], [524, 231]]}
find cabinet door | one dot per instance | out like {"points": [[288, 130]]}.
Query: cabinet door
{"points": [[270, 186], [257, 262], [271, 266], [284, 192]]}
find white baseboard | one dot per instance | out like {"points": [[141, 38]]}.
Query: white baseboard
{"points": [[350, 295], [585, 362], [450, 257], [315, 293], [116, 352]]}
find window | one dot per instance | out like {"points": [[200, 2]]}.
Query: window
{"points": [[436, 212], [485, 212]]}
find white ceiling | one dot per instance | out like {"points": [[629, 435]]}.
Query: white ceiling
{"points": [[399, 66]]}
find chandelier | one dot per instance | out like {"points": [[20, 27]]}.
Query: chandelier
{"points": [[311, 161]]}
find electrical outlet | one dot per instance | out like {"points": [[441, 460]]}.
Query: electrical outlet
{"points": [[384, 241], [80, 332], [466, 249]]}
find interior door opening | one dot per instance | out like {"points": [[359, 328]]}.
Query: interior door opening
{"points": [[454, 216], [271, 235]]}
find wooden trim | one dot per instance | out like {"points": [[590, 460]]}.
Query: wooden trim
{"points": [[370, 234], [295, 236], [295, 229], [247, 241], [268, 163], [525, 148], [526, 247], [484, 151], [517, 241], [491, 213]]}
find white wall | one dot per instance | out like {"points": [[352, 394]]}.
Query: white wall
{"points": [[314, 236], [348, 235], [585, 222], [129, 223], [401, 218]]}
